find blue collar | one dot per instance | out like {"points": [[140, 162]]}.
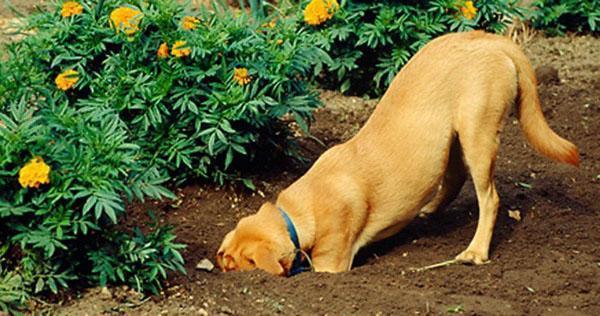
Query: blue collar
{"points": [[299, 265]]}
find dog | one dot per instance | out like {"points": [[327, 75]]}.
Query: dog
{"points": [[439, 120]]}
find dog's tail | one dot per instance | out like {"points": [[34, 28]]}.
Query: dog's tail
{"points": [[536, 129]]}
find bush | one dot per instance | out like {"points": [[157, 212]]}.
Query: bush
{"points": [[108, 101], [63, 179], [556, 17], [188, 114], [370, 41]]}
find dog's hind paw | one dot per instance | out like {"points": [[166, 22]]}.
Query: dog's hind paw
{"points": [[472, 257]]}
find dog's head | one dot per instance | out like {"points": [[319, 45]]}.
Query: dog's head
{"points": [[257, 242]]}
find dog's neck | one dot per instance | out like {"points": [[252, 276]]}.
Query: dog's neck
{"points": [[303, 220]]}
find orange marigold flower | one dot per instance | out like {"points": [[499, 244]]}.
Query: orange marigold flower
{"points": [[180, 50], [189, 23], [34, 173], [319, 11], [163, 51], [71, 8], [241, 76], [126, 19], [67, 79], [468, 10]]}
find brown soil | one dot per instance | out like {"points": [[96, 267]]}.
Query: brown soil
{"points": [[548, 263], [22, 6]]}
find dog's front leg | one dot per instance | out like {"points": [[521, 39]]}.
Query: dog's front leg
{"points": [[332, 254]]}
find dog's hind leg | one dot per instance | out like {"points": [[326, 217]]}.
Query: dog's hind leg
{"points": [[451, 183], [480, 155], [479, 126], [478, 121]]}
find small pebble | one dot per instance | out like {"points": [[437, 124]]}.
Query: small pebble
{"points": [[515, 214], [105, 293], [205, 265], [226, 310], [202, 312]]}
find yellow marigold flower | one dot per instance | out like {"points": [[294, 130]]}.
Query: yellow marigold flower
{"points": [[34, 173], [163, 51], [279, 41], [241, 76], [126, 19], [67, 79], [179, 49], [189, 23], [468, 10], [269, 25], [71, 8], [319, 11]]}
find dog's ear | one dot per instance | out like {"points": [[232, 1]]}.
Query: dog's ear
{"points": [[221, 257], [265, 259], [220, 262]]}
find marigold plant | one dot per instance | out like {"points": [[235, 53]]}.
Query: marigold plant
{"points": [[71, 8], [67, 79], [189, 23], [241, 76], [137, 123], [163, 51], [126, 19], [181, 49], [269, 25], [370, 41], [34, 173], [468, 10], [319, 11]]}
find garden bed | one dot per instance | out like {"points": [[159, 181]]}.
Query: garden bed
{"points": [[548, 263]]}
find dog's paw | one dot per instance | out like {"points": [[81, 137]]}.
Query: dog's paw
{"points": [[472, 257]]}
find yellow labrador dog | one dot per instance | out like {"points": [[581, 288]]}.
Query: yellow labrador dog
{"points": [[439, 120]]}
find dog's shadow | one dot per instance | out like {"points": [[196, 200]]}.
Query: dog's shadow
{"points": [[452, 222], [440, 223]]}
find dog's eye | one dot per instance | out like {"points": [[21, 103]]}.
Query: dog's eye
{"points": [[251, 262]]}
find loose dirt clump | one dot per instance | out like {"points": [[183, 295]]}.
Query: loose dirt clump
{"points": [[546, 263]]}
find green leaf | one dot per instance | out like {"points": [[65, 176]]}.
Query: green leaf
{"points": [[301, 122], [228, 158], [90, 202], [249, 184], [39, 285], [52, 285], [345, 86]]}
